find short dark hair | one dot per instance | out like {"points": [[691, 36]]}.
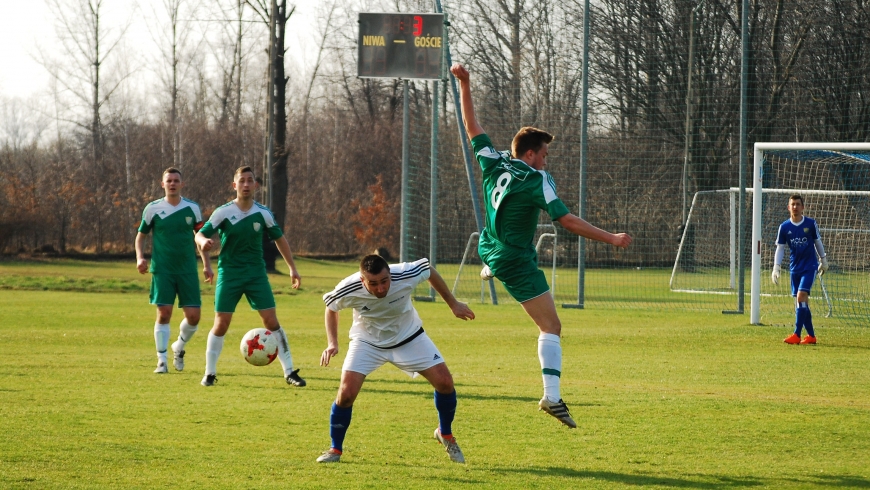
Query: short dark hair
{"points": [[373, 264], [529, 138], [796, 197], [243, 169], [171, 170]]}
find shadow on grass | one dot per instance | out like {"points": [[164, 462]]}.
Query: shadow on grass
{"points": [[641, 480]]}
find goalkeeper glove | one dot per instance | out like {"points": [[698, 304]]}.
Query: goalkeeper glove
{"points": [[823, 265], [774, 276]]}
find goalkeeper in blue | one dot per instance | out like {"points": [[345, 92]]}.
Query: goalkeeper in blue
{"points": [[801, 235], [387, 329]]}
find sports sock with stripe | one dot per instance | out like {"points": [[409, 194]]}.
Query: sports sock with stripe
{"points": [[550, 355], [185, 333], [161, 340], [284, 351]]}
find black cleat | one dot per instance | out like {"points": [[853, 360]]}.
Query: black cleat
{"points": [[294, 379], [209, 380]]}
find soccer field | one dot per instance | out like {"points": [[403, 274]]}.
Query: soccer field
{"points": [[662, 399]]}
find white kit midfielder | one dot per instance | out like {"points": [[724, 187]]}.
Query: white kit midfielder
{"points": [[382, 325]]}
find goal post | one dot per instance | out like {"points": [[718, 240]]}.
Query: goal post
{"points": [[834, 179]]}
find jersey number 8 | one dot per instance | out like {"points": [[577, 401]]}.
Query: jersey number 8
{"points": [[500, 189]]}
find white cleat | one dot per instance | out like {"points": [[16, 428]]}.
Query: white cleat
{"points": [[450, 446], [329, 456], [485, 273], [161, 368], [559, 410], [178, 357]]}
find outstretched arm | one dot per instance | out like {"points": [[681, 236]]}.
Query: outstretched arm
{"points": [[331, 320], [284, 248], [468, 118], [459, 309], [581, 227]]}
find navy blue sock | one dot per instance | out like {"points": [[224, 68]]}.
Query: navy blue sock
{"points": [[808, 319], [339, 421], [446, 406], [798, 320]]}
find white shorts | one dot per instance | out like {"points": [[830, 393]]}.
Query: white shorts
{"points": [[417, 355]]}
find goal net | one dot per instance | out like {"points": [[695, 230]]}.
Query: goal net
{"points": [[834, 180]]}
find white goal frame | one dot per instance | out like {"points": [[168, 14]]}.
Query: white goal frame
{"points": [[757, 174]]}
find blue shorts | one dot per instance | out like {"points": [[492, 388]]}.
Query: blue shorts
{"points": [[802, 281]]}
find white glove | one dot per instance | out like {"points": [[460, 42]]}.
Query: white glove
{"points": [[774, 276], [823, 265]]}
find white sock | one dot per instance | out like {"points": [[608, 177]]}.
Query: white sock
{"points": [[185, 333], [550, 355], [213, 347], [284, 351], [161, 340]]}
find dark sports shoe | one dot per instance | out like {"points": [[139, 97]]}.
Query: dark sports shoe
{"points": [[559, 410], [209, 380], [294, 379]]}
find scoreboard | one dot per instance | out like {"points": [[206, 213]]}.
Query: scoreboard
{"points": [[400, 45]]}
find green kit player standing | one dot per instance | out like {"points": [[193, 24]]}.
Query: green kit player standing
{"points": [[241, 224], [174, 221], [516, 188]]}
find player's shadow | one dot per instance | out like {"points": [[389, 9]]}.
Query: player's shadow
{"points": [[713, 482]]}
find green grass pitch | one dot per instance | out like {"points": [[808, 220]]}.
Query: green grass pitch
{"points": [[663, 398]]}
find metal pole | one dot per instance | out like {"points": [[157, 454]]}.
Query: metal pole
{"points": [[581, 198], [744, 146], [433, 186], [466, 152], [406, 125], [687, 151]]}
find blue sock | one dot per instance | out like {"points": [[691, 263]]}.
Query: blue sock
{"points": [[798, 320], [339, 421], [808, 319], [446, 406]]}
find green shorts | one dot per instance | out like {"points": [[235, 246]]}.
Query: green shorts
{"points": [[165, 287], [231, 285], [523, 280]]}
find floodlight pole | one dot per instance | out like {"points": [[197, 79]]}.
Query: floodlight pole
{"points": [[584, 154], [466, 152]]}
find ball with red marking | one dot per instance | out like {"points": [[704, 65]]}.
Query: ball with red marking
{"points": [[259, 347]]}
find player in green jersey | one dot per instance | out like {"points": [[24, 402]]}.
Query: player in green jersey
{"points": [[241, 224], [174, 221], [516, 188]]}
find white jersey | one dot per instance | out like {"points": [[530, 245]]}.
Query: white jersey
{"points": [[382, 322]]}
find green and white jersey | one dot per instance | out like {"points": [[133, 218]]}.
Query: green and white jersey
{"points": [[241, 235], [515, 194], [173, 246]]}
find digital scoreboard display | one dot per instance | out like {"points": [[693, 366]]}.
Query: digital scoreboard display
{"points": [[400, 45]]}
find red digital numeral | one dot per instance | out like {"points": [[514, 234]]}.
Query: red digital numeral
{"points": [[418, 25]]}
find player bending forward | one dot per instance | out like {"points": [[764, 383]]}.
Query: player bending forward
{"points": [[801, 234], [386, 328], [241, 224], [516, 188], [174, 221]]}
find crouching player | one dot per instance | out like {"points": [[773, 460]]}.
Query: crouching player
{"points": [[386, 328], [241, 224]]}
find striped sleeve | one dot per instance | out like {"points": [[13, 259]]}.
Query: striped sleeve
{"points": [[417, 271], [337, 299]]}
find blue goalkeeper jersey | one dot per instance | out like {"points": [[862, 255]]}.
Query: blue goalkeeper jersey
{"points": [[801, 239]]}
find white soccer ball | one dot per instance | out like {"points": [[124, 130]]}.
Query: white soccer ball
{"points": [[259, 347]]}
